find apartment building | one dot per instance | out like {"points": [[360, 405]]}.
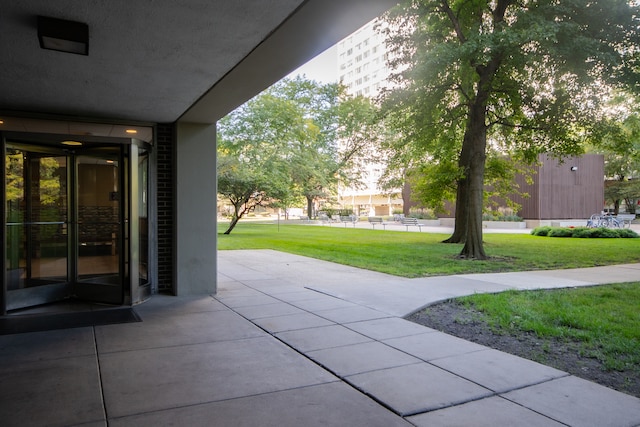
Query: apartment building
{"points": [[362, 68]]}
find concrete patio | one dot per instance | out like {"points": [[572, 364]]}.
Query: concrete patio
{"points": [[291, 341]]}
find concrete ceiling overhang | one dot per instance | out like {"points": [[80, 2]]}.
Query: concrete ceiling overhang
{"points": [[162, 61]]}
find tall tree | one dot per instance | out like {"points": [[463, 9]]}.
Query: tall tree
{"points": [[254, 151], [523, 77], [621, 150], [245, 188], [296, 139]]}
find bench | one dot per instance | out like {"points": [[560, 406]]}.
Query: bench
{"points": [[349, 219], [304, 218], [625, 219], [376, 220], [324, 218], [411, 222]]}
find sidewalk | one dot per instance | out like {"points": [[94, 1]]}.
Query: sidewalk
{"points": [[291, 341], [396, 226], [350, 322]]}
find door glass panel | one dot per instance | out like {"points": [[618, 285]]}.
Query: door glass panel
{"points": [[143, 220], [37, 225], [99, 227]]}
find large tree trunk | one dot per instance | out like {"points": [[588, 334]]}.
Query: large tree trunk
{"points": [[462, 196], [406, 198], [474, 247], [475, 139], [310, 212]]}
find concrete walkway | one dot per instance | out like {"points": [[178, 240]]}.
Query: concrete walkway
{"points": [[291, 341], [349, 321]]}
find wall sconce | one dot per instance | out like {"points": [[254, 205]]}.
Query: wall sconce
{"points": [[63, 35], [574, 168]]}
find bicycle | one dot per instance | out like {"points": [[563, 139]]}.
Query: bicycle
{"points": [[604, 221]]}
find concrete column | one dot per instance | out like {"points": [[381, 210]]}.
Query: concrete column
{"points": [[196, 231]]}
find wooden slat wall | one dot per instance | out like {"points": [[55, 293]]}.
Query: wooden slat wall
{"points": [[559, 193], [567, 194], [529, 206]]}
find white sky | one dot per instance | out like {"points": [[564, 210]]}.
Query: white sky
{"points": [[323, 68]]}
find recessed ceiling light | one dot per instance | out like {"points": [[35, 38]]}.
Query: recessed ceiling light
{"points": [[73, 143], [131, 131]]}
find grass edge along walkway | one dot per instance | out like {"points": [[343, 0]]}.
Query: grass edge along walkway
{"points": [[422, 254], [603, 319]]}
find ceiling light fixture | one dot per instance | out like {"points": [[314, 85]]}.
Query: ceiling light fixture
{"points": [[131, 131], [63, 35], [71, 143]]}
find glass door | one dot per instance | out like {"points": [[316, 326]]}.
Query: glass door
{"points": [[65, 224], [98, 226], [37, 226]]}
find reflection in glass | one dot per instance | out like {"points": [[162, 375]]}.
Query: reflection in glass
{"points": [[36, 227], [143, 220], [98, 219]]}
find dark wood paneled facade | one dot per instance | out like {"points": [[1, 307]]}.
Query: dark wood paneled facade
{"points": [[570, 188]]}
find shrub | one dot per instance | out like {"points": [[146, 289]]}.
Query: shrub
{"points": [[625, 233], [541, 231], [330, 212], [584, 232], [497, 216], [602, 232], [560, 232], [422, 213]]}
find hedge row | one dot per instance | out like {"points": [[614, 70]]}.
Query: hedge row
{"points": [[584, 232]]}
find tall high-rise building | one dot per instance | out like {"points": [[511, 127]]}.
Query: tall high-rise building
{"points": [[362, 61], [362, 68]]}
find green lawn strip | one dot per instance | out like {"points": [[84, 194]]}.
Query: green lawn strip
{"points": [[602, 320], [419, 254]]}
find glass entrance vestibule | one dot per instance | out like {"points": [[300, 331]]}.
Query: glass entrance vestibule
{"points": [[76, 220]]}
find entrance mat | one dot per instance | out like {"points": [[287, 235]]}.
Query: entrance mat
{"points": [[46, 322]]}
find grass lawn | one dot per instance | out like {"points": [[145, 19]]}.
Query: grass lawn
{"points": [[421, 254], [602, 320]]}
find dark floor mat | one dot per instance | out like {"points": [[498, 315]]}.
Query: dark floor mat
{"points": [[46, 322]]}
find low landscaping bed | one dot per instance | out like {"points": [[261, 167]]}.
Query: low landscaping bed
{"points": [[590, 332], [584, 232]]}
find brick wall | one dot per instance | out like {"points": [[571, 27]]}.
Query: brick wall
{"points": [[165, 136]]}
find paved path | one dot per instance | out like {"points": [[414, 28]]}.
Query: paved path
{"points": [[394, 295], [293, 341], [349, 321]]}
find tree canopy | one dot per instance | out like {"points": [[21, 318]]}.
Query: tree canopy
{"points": [[292, 142], [621, 150], [518, 78]]}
